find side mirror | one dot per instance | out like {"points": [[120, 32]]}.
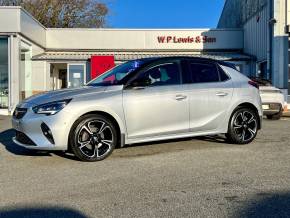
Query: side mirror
{"points": [[141, 83]]}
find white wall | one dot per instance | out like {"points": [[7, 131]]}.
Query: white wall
{"points": [[17, 20], [9, 19], [288, 13], [39, 71], [14, 71], [60, 39], [32, 29]]}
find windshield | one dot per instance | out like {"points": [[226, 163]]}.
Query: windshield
{"points": [[115, 75]]}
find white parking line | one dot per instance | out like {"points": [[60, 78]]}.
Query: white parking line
{"points": [[285, 119]]}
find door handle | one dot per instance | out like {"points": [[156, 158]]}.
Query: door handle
{"points": [[221, 94], [180, 97], [138, 88]]}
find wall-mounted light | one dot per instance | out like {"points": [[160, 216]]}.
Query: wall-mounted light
{"points": [[272, 21]]}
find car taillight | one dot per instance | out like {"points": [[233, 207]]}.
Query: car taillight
{"points": [[252, 83]]}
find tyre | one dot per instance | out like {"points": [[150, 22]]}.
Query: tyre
{"points": [[275, 116], [93, 138], [243, 126]]}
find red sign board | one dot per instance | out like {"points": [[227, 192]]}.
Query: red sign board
{"points": [[101, 64]]}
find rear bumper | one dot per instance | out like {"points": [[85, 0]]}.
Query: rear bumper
{"points": [[272, 108]]}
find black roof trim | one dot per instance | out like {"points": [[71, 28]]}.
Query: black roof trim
{"points": [[224, 63]]}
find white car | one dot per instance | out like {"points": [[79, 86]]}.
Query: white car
{"points": [[272, 99], [141, 101]]}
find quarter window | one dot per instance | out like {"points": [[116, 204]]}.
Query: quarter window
{"points": [[223, 75], [204, 73], [163, 74]]}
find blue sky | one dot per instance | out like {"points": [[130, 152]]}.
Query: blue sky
{"points": [[164, 13]]}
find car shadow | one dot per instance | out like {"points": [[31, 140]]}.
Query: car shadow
{"points": [[7, 135], [214, 139], [266, 205], [67, 155], [6, 140], [45, 212]]}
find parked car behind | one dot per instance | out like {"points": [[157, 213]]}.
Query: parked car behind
{"points": [[272, 99]]}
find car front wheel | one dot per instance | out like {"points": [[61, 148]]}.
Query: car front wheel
{"points": [[243, 126], [93, 138]]}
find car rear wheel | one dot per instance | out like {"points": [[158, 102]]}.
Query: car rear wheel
{"points": [[243, 126], [93, 138]]}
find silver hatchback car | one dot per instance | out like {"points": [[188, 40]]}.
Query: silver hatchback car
{"points": [[142, 101]]}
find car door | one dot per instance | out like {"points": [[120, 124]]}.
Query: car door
{"points": [[158, 107], [211, 93]]}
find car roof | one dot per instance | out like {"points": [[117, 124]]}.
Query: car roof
{"points": [[153, 59]]}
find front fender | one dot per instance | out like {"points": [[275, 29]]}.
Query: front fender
{"points": [[75, 110]]}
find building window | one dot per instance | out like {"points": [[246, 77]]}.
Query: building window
{"points": [[262, 70], [76, 75], [4, 89], [25, 71]]}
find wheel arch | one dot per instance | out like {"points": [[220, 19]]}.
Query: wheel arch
{"points": [[252, 107]]}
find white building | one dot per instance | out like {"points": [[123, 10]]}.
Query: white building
{"points": [[34, 59]]}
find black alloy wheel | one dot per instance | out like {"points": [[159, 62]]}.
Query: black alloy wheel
{"points": [[243, 126], [93, 138]]}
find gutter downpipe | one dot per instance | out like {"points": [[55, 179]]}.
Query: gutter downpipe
{"points": [[271, 33]]}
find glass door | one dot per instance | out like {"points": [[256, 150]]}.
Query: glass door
{"points": [[4, 89], [76, 75]]}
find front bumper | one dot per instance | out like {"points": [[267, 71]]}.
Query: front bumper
{"points": [[30, 134]]}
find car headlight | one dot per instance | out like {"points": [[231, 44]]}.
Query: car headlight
{"points": [[51, 108]]}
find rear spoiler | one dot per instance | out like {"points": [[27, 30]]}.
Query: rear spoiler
{"points": [[227, 64]]}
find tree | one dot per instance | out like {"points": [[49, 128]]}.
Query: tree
{"points": [[64, 13]]}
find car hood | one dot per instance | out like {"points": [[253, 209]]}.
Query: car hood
{"points": [[63, 94]]}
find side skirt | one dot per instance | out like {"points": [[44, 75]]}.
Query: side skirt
{"points": [[167, 137]]}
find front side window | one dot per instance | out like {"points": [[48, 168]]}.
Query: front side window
{"points": [[115, 75], [163, 74], [204, 73]]}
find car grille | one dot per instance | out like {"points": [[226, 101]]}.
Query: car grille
{"points": [[24, 139], [19, 113]]}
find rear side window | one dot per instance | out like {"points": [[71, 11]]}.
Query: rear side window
{"points": [[223, 75], [204, 73]]}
